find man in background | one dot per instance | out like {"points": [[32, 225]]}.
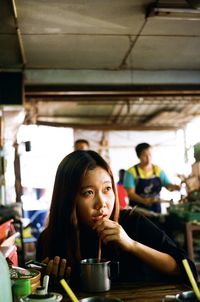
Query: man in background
{"points": [[145, 180], [122, 194], [81, 144]]}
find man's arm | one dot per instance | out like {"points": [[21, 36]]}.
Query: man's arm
{"points": [[134, 196]]}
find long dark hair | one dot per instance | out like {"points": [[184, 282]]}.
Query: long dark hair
{"points": [[62, 232]]}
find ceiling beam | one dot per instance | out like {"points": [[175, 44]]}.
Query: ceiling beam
{"points": [[111, 91]]}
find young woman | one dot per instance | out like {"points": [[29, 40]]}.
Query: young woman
{"points": [[85, 208]]}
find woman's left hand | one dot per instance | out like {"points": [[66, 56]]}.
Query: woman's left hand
{"points": [[57, 268], [111, 231]]}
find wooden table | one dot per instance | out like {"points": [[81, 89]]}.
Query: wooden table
{"points": [[137, 292]]}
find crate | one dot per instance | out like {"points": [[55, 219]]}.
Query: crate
{"points": [[189, 216], [186, 212], [6, 229], [196, 169]]}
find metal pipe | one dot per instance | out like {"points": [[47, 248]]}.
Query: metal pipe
{"points": [[19, 36]]}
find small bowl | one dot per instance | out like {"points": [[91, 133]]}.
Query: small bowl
{"points": [[100, 299], [187, 296], [32, 274]]}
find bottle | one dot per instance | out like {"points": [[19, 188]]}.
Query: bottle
{"points": [[5, 282], [21, 288]]}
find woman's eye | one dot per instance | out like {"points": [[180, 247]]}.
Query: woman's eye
{"points": [[88, 193], [107, 189]]}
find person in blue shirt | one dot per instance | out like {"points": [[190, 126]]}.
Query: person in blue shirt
{"points": [[145, 180]]}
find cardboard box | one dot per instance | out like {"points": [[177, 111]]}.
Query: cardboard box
{"points": [[196, 169], [192, 184]]}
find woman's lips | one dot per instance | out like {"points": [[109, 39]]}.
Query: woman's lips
{"points": [[99, 217]]}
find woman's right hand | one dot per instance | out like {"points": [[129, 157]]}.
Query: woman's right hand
{"points": [[57, 268]]}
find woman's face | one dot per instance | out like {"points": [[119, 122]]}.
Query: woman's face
{"points": [[95, 199]]}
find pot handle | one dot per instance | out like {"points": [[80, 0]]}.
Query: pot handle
{"points": [[114, 270]]}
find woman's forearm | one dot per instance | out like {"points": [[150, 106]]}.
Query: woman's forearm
{"points": [[159, 261]]}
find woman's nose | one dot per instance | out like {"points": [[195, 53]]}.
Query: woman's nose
{"points": [[100, 202]]}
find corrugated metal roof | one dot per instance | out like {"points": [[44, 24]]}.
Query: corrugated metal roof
{"points": [[125, 113]]}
